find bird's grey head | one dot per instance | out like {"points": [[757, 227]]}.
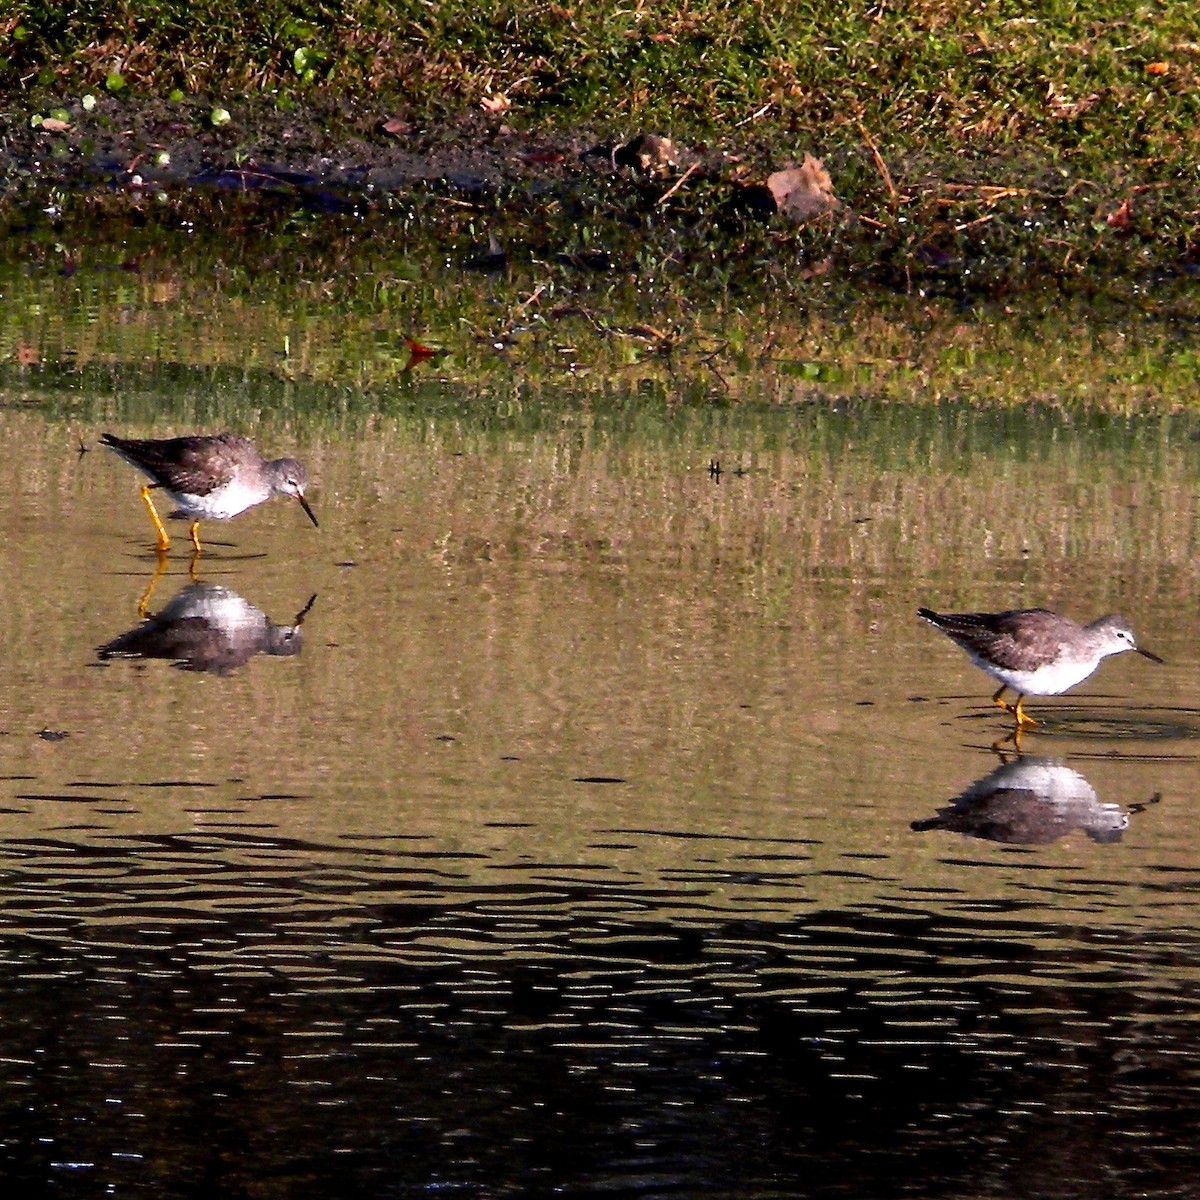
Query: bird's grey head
{"points": [[1117, 635], [289, 478]]}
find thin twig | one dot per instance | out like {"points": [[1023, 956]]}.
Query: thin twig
{"points": [[720, 378], [880, 165], [520, 308], [678, 183], [988, 193], [762, 112]]}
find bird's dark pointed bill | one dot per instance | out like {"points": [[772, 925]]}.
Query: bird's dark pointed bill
{"points": [[312, 516], [305, 610], [1148, 654]]}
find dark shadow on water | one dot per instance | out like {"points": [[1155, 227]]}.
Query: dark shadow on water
{"points": [[232, 1014], [211, 556], [1117, 724], [1097, 723]]}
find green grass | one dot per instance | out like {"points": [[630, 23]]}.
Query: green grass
{"points": [[1071, 80], [978, 148]]}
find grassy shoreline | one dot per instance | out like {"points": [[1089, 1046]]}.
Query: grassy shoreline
{"points": [[1092, 81], [977, 152]]}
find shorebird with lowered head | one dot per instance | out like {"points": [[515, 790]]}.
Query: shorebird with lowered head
{"points": [[1033, 651], [209, 477]]}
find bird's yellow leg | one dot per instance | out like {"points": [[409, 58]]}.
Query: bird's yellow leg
{"points": [[195, 533], [164, 542], [1024, 720], [999, 702]]}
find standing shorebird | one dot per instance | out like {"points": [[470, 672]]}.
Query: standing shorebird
{"points": [[1033, 651], [209, 477]]}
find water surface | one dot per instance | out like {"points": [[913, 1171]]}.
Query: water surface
{"points": [[609, 824]]}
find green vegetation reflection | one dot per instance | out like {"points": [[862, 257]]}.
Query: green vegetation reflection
{"points": [[338, 339]]}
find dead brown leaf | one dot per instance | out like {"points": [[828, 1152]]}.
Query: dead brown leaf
{"points": [[496, 104], [803, 192], [1157, 68], [54, 125], [1122, 216], [397, 126]]}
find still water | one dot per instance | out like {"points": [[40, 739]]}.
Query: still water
{"points": [[565, 817]]}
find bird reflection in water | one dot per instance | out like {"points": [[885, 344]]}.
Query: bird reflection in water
{"points": [[1030, 800], [206, 627]]}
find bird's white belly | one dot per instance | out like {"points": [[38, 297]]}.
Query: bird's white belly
{"points": [[1049, 680], [218, 505]]}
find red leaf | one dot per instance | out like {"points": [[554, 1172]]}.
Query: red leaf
{"points": [[419, 352]]}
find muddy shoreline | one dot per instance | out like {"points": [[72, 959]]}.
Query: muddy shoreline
{"points": [[337, 146], [982, 228]]}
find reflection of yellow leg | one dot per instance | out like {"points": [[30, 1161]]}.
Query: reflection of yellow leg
{"points": [[164, 542], [144, 602], [195, 532], [1012, 739]]}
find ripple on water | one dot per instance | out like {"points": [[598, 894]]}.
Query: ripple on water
{"points": [[580, 1022]]}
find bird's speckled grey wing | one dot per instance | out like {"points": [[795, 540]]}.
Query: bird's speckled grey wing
{"points": [[1015, 640], [183, 464]]}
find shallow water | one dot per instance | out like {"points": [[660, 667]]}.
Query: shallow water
{"points": [[608, 825]]}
